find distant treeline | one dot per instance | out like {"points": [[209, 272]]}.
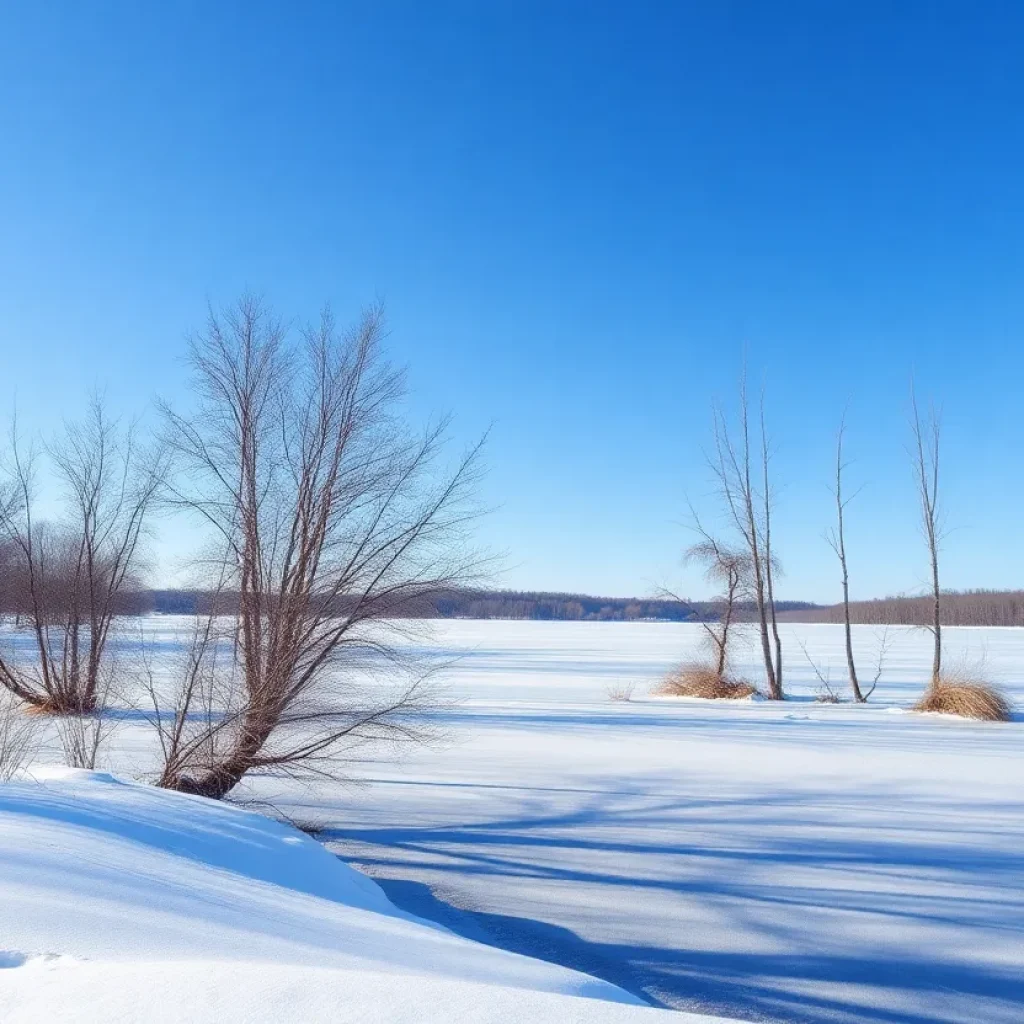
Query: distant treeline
{"points": [[491, 604], [475, 604], [512, 604], [959, 608]]}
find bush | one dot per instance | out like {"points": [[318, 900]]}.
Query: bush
{"points": [[700, 681], [18, 737], [967, 699], [621, 692]]}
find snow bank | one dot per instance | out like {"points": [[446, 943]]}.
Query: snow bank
{"points": [[120, 902]]}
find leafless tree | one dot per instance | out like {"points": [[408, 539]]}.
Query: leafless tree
{"points": [[884, 643], [70, 579], [826, 691], [837, 539], [729, 569], [749, 507], [927, 436], [768, 555], [329, 520]]}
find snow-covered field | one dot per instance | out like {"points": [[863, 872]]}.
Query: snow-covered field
{"points": [[792, 862], [125, 903]]}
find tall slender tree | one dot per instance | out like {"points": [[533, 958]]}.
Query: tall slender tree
{"points": [[925, 450], [749, 511], [837, 539]]}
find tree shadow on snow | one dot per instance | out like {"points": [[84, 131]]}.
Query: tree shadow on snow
{"points": [[617, 848]]}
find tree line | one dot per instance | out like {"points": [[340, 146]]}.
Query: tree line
{"points": [[542, 606], [957, 608]]}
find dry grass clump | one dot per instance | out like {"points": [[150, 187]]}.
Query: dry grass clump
{"points": [[700, 681], [966, 698]]}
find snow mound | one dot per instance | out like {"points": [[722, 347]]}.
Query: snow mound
{"points": [[121, 902]]}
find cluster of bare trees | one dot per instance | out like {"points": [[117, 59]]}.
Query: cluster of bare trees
{"points": [[323, 517], [926, 435], [744, 569]]}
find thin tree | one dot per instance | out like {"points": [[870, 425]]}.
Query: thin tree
{"points": [[728, 569], [329, 521], [749, 511], [72, 578], [770, 562], [926, 441], [837, 540]]}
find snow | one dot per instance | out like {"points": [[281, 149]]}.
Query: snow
{"points": [[793, 862], [121, 902]]}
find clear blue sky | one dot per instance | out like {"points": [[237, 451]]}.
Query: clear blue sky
{"points": [[579, 216]]}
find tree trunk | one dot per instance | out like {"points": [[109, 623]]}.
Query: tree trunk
{"points": [[850, 663], [216, 782], [936, 620], [723, 646]]}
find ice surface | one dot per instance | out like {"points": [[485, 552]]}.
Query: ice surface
{"points": [[791, 862]]}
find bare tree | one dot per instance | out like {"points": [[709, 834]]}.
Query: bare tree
{"points": [[749, 510], [729, 569], [329, 521], [768, 556], [826, 692], [72, 578], [884, 643], [927, 436], [837, 539]]}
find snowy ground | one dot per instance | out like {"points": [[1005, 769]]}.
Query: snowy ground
{"points": [[795, 862], [121, 902]]}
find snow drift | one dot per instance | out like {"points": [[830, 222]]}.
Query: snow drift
{"points": [[120, 902]]}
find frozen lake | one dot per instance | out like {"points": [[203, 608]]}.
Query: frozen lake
{"points": [[790, 862], [782, 862]]}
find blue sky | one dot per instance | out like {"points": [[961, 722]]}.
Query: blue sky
{"points": [[580, 217]]}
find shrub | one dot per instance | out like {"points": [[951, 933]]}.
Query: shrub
{"points": [[701, 681], [968, 699], [18, 737], [621, 692]]}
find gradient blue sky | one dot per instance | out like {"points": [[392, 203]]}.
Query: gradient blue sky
{"points": [[580, 216]]}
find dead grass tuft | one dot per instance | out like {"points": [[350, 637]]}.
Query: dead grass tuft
{"points": [[966, 698], [621, 692], [700, 681]]}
